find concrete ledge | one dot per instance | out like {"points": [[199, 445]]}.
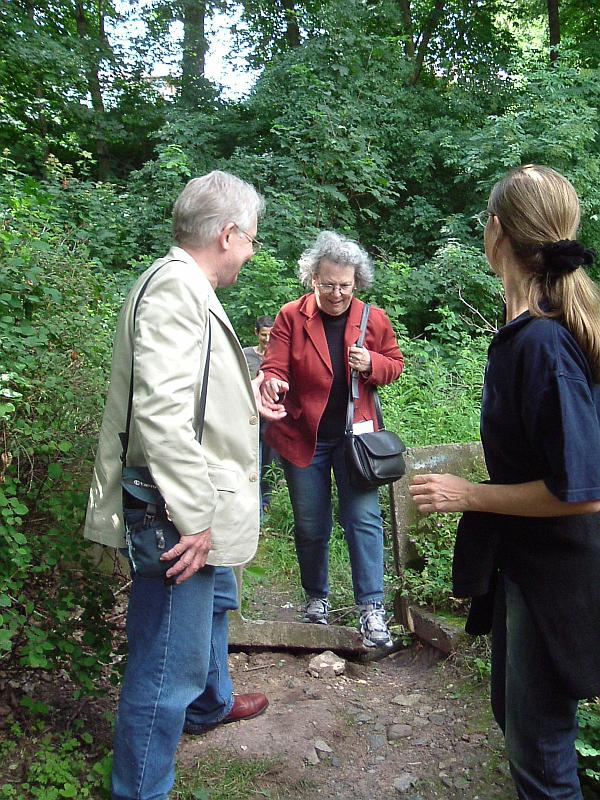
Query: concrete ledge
{"points": [[277, 634], [435, 631]]}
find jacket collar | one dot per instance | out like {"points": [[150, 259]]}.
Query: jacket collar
{"points": [[316, 332], [214, 304]]}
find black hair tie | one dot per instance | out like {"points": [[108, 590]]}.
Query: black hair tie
{"points": [[565, 256]]}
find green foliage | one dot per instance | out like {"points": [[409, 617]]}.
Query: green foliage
{"points": [[56, 320], [437, 398], [55, 766], [427, 579], [588, 741], [263, 286], [56, 57]]}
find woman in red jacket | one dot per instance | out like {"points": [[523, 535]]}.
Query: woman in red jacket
{"points": [[311, 352]]}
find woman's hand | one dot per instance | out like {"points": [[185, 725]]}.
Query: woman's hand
{"points": [[269, 396], [441, 493], [359, 359]]}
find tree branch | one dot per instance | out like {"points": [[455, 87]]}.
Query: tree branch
{"points": [[409, 42], [428, 29]]}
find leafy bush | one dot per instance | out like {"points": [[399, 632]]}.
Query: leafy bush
{"points": [[427, 578], [438, 396], [54, 766], [56, 320], [588, 741]]}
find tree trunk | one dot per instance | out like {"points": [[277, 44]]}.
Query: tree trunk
{"points": [[554, 27], [39, 87], [292, 32], [93, 50], [194, 50], [409, 42], [427, 33]]}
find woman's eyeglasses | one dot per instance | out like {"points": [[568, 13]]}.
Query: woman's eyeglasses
{"points": [[483, 217], [329, 288]]}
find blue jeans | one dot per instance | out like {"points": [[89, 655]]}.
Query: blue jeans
{"points": [[530, 705], [267, 456], [176, 670], [310, 493]]}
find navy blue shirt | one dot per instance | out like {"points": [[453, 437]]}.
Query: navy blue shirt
{"points": [[539, 421], [540, 417]]}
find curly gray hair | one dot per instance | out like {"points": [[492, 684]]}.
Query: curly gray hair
{"points": [[340, 250]]}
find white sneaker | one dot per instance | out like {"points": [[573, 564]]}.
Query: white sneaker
{"points": [[373, 626], [316, 610]]}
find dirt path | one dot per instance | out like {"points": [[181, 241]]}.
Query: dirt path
{"points": [[401, 727]]}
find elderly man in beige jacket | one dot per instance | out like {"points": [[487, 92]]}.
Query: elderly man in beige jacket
{"points": [[201, 466]]}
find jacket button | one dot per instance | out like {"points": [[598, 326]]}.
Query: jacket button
{"points": [[253, 477], [253, 420]]}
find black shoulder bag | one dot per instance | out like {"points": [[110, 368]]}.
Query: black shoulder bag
{"points": [[372, 459], [148, 531]]}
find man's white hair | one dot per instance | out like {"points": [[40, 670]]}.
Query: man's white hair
{"points": [[338, 249], [209, 203]]}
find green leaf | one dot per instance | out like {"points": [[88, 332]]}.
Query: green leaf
{"points": [[54, 470]]}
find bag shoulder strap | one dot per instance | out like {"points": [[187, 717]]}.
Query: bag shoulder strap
{"points": [[124, 437], [353, 394]]}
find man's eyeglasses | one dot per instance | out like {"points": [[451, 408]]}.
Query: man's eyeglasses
{"points": [[329, 288], [256, 245], [483, 217]]}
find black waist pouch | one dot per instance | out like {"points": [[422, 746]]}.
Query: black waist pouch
{"points": [[148, 531]]}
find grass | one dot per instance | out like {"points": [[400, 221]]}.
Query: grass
{"points": [[216, 777]]}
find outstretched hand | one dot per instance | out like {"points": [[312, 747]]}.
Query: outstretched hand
{"points": [[268, 396], [191, 553], [440, 493]]}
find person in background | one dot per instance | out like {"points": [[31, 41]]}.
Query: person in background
{"points": [[528, 544], [307, 366], [177, 674], [254, 356]]}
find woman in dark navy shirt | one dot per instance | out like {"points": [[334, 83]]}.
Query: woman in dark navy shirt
{"points": [[531, 536]]}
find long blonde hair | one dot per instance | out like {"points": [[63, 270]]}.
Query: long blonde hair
{"points": [[538, 207]]}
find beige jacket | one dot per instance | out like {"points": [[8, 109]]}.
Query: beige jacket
{"points": [[209, 485]]}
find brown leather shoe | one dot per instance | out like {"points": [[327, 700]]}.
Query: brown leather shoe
{"points": [[246, 706]]}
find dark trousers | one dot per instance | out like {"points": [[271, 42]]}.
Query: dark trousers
{"points": [[268, 456], [538, 719]]}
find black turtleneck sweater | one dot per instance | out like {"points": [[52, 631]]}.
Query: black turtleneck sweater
{"points": [[333, 421]]}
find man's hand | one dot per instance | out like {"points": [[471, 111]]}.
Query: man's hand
{"points": [[441, 493], [191, 553], [268, 396]]}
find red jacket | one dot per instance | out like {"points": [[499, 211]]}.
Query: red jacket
{"points": [[298, 353]]}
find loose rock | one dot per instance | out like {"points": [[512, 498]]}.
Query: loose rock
{"points": [[404, 782], [436, 719], [406, 700], [377, 741], [322, 747], [397, 731], [326, 665]]}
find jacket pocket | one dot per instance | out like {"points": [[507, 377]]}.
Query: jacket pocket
{"points": [[223, 479]]}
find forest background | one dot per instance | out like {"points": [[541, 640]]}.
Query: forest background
{"points": [[388, 120]]}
